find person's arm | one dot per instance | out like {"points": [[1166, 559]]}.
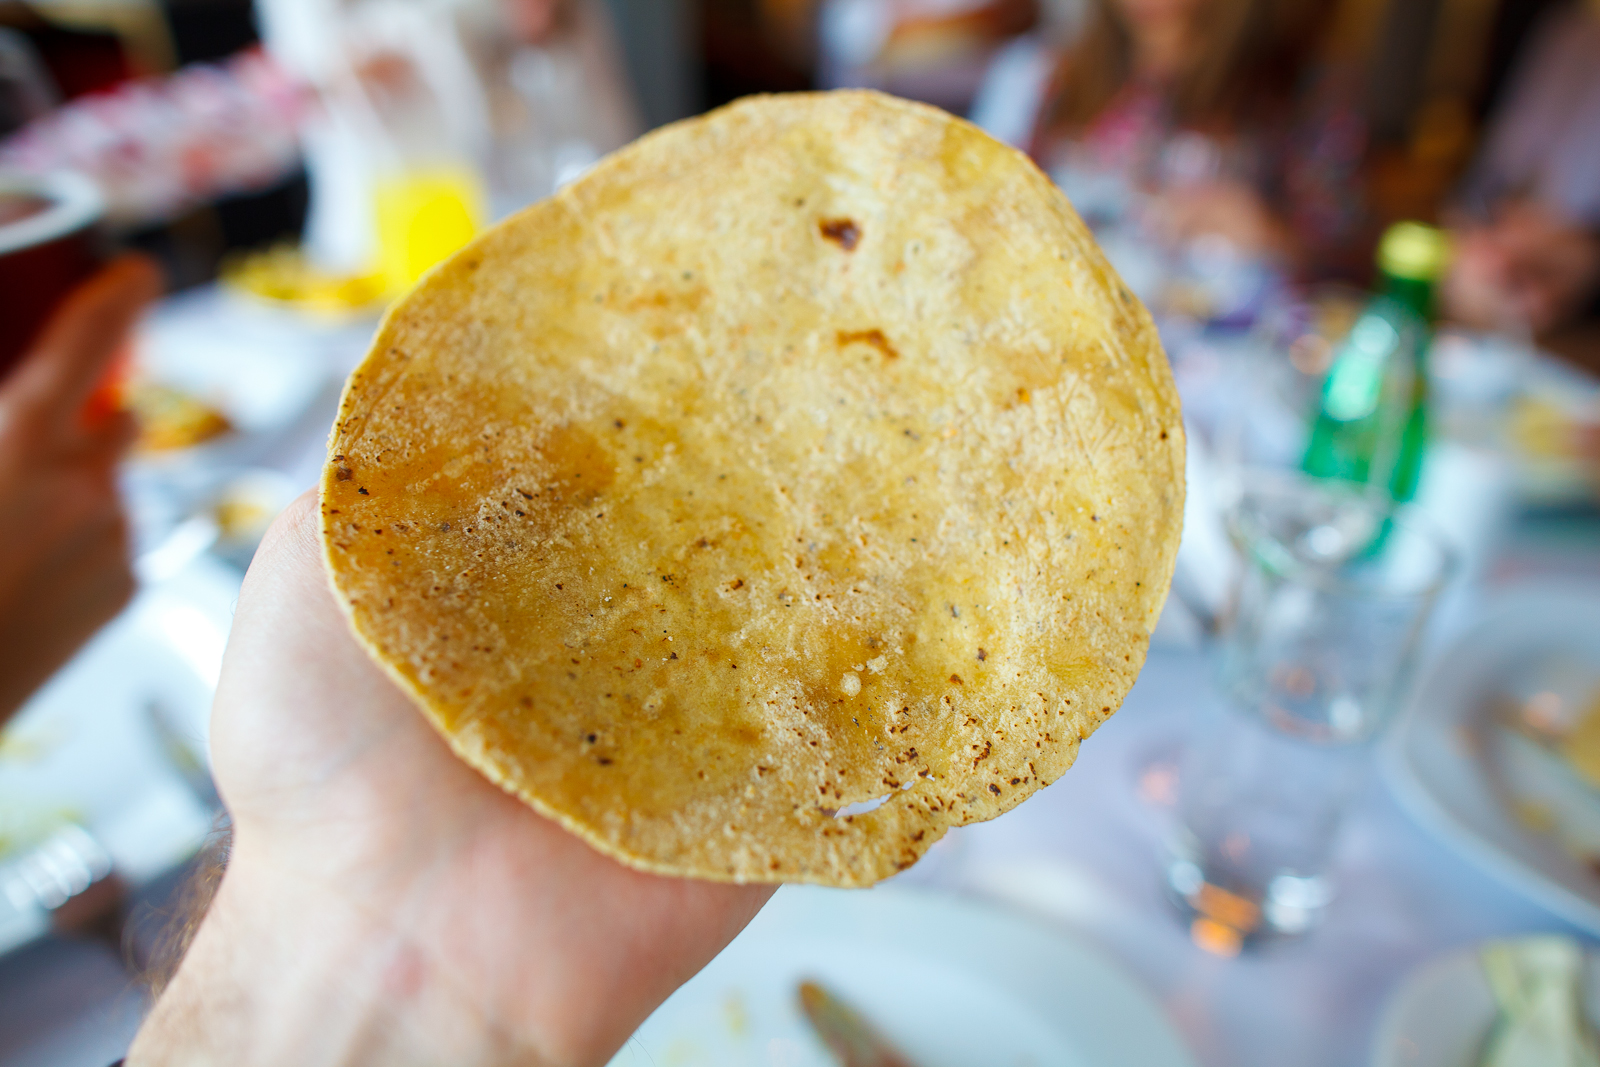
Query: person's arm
{"points": [[64, 568], [385, 904]]}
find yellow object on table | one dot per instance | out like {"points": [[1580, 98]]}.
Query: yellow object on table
{"points": [[1538, 984], [170, 419], [1581, 745], [284, 275], [423, 216]]}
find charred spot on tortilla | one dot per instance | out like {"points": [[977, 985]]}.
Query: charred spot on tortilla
{"points": [[842, 232]]}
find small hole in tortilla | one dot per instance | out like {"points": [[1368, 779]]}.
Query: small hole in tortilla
{"points": [[861, 807]]}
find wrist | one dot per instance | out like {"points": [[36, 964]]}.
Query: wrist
{"points": [[285, 971]]}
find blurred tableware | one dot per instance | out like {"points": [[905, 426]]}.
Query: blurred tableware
{"points": [[950, 982], [187, 540], [1247, 392], [1301, 331], [269, 373], [1474, 380], [1328, 612], [846, 1033], [55, 870], [1214, 281], [255, 367], [172, 419], [49, 242], [395, 151], [426, 212], [86, 749], [1465, 775], [1494, 391], [1538, 989], [184, 750], [560, 98], [243, 509], [421, 95], [1553, 703], [283, 274], [41, 879], [1445, 1012], [1468, 492], [1553, 431], [156, 146]]}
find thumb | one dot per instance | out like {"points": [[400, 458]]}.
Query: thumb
{"points": [[80, 342]]}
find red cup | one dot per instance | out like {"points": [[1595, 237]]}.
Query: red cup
{"points": [[50, 241]]}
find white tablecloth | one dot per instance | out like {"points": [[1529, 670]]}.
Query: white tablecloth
{"points": [[1087, 853]]}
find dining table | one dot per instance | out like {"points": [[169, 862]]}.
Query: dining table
{"points": [[1086, 855]]}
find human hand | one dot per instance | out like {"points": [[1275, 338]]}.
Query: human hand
{"points": [[64, 571], [1528, 269], [385, 904]]}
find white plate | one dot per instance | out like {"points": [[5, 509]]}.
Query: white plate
{"points": [[274, 375], [1441, 1015], [1445, 761], [259, 370], [952, 983], [86, 750]]}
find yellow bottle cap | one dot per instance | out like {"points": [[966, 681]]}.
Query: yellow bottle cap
{"points": [[1414, 251]]}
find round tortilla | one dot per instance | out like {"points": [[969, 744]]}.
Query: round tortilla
{"points": [[801, 455]]}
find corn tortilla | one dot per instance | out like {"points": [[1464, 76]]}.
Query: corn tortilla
{"points": [[799, 456]]}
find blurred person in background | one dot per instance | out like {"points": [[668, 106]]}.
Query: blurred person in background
{"points": [[64, 568], [1206, 117], [523, 93], [930, 50], [1527, 226]]}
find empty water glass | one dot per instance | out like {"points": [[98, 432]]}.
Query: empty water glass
{"points": [[1333, 595]]}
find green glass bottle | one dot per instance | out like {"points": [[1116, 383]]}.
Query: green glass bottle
{"points": [[1371, 424]]}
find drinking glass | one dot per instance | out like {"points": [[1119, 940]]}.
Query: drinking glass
{"points": [[1334, 591], [49, 242]]}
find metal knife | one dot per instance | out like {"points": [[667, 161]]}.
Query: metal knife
{"points": [[846, 1033]]}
